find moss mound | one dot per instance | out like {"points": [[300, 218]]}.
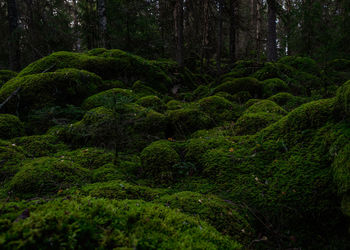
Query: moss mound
{"points": [[153, 102], [251, 123], [120, 190], [342, 103], [287, 100], [234, 86], [69, 86], [174, 104], [158, 161], [46, 175], [274, 86], [223, 215], [11, 157], [6, 75], [305, 64], [10, 126], [266, 106], [99, 223]]}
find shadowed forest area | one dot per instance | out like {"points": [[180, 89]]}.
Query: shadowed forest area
{"points": [[175, 124]]}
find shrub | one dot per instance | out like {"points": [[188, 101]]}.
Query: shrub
{"points": [[68, 86], [101, 223], [153, 102], [249, 84], [46, 175], [158, 160], [10, 126], [223, 215]]}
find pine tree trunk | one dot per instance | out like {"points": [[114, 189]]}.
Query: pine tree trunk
{"points": [[233, 30], [102, 18], [271, 33], [220, 37], [179, 30], [14, 50]]}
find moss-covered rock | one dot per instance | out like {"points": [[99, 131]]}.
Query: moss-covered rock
{"points": [[174, 104], [153, 102], [305, 64], [10, 126], [101, 223], [120, 190], [251, 123], [188, 120], [287, 100], [106, 98], [219, 108], [342, 100], [6, 75], [266, 106], [201, 92], [46, 175], [275, 70], [39, 145], [158, 161], [274, 86], [338, 71], [68, 86], [249, 84], [143, 89], [223, 215], [11, 157]]}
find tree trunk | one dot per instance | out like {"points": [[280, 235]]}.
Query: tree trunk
{"points": [[102, 19], [205, 38], [14, 50], [271, 33], [232, 9], [179, 30], [220, 37]]}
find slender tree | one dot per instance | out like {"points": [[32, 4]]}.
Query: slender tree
{"points": [[14, 49], [232, 15], [179, 31], [271, 33], [102, 18], [220, 35]]}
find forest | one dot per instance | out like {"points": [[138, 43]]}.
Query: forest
{"points": [[175, 124]]}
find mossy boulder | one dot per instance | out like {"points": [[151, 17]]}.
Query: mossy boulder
{"points": [[223, 215], [101, 223], [47, 175], [275, 70], [90, 158], [342, 100], [6, 75], [266, 106], [158, 161], [10, 126], [338, 71], [174, 104], [201, 92], [185, 121], [305, 64], [287, 100], [143, 89], [274, 86], [70, 86], [234, 86], [106, 98], [120, 190], [219, 108], [153, 102], [11, 157], [39, 145], [251, 123]]}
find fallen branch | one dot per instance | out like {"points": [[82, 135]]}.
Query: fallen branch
{"points": [[14, 93]]}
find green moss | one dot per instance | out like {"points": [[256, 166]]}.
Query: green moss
{"points": [[274, 86], [174, 104], [287, 100], [341, 170], [342, 100], [46, 175], [90, 158], [10, 126], [305, 64], [242, 68], [110, 172], [275, 70], [68, 86], [106, 97], [223, 215], [249, 84], [158, 160], [39, 145], [251, 102], [11, 157], [251, 123], [188, 120], [266, 106], [120, 190], [201, 92], [141, 89], [6, 75], [100, 223], [219, 109], [153, 102]]}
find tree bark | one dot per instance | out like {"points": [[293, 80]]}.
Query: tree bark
{"points": [[179, 31], [232, 9], [220, 37], [271, 33], [102, 18], [14, 49]]}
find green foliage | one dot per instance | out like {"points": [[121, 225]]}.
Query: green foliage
{"points": [[174, 104], [223, 215], [158, 160], [10, 126], [267, 107], [251, 123], [47, 175], [11, 157], [341, 170], [153, 102], [287, 100], [274, 86], [234, 86], [305, 64], [342, 99], [69, 86], [100, 223]]}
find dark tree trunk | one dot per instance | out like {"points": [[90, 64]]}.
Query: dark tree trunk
{"points": [[179, 30], [220, 37], [102, 19], [14, 50], [271, 33], [232, 10]]}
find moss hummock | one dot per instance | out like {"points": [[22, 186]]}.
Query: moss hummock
{"points": [[10, 126]]}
